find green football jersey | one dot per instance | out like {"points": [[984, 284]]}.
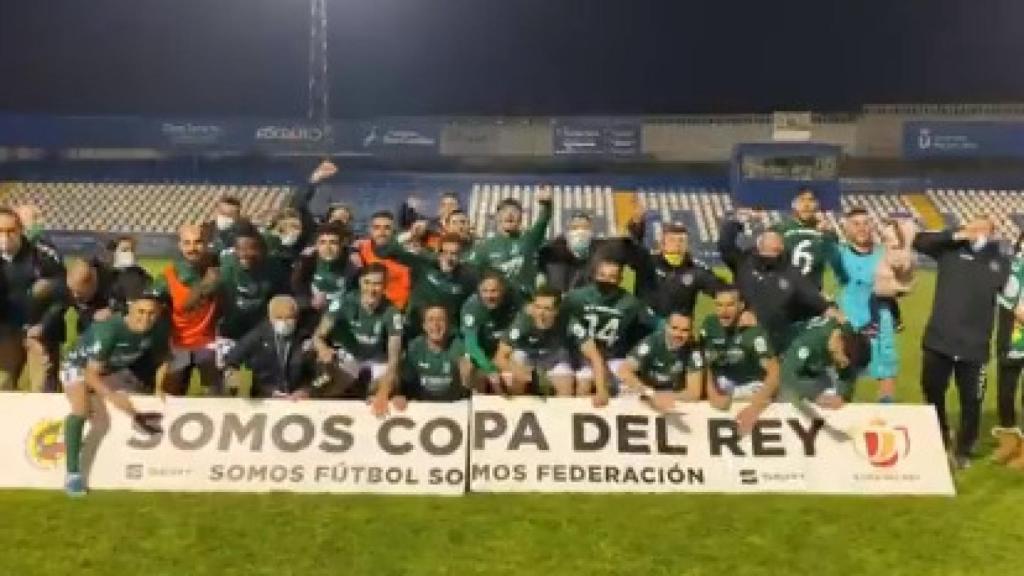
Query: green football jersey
{"points": [[566, 334], [514, 256], [361, 332], [332, 279], [245, 293], [735, 353], [482, 328], [112, 343], [807, 366], [661, 368], [807, 248], [615, 321], [433, 374], [430, 285]]}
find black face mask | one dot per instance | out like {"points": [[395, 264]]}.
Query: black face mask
{"points": [[607, 288], [771, 262]]}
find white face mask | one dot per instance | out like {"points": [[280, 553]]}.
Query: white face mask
{"points": [[289, 239], [579, 240], [124, 259], [224, 222], [283, 327]]}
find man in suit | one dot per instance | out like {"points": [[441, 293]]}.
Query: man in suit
{"points": [[274, 351]]}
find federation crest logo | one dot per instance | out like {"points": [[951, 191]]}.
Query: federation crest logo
{"points": [[882, 444], [924, 139], [44, 445]]}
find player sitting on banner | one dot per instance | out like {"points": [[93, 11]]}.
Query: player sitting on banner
{"points": [[248, 280], [274, 351], [822, 363], [359, 342], [742, 364], [486, 316], [612, 317], [538, 349], [435, 367], [666, 366], [511, 250], [102, 362]]}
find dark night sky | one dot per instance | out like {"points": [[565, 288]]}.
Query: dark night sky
{"points": [[249, 57]]}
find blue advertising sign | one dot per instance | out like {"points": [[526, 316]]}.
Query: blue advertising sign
{"points": [[963, 139], [596, 137]]}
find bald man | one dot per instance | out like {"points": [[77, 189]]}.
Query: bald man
{"points": [[778, 294], [189, 285], [282, 367], [31, 315]]}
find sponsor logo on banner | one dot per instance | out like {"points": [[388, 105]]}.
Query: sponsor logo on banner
{"points": [[564, 445], [882, 444], [191, 133], [237, 445], [378, 137], [293, 133], [44, 444]]}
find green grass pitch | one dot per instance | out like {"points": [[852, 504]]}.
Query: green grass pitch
{"points": [[977, 533]]}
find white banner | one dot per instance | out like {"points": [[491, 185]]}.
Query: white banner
{"points": [[241, 445], [565, 445]]}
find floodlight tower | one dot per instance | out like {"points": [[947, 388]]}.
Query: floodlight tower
{"points": [[318, 110]]}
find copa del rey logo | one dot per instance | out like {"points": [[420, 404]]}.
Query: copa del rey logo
{"points": [[882, 444]]}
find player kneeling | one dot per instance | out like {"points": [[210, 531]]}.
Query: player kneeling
{"points": [[435, 367], [537, 350], [102, 362], [359, 341], [740, 358], [666, 366]]}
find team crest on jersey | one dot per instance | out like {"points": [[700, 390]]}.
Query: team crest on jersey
{"points": [[783, 284], [687, 279], [995, 266], [643, 349], [803, 353], [468, 320]]}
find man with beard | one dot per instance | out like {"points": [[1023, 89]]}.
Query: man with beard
{"points": [[671, 279], [538, 349], [486, 316], [855, 264], [666, 366], [248, 280], [612, 317], [189, 285], [776, 292], [742, 364], [437, 279], [512, 251], [806, 236], [382, 233]]}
